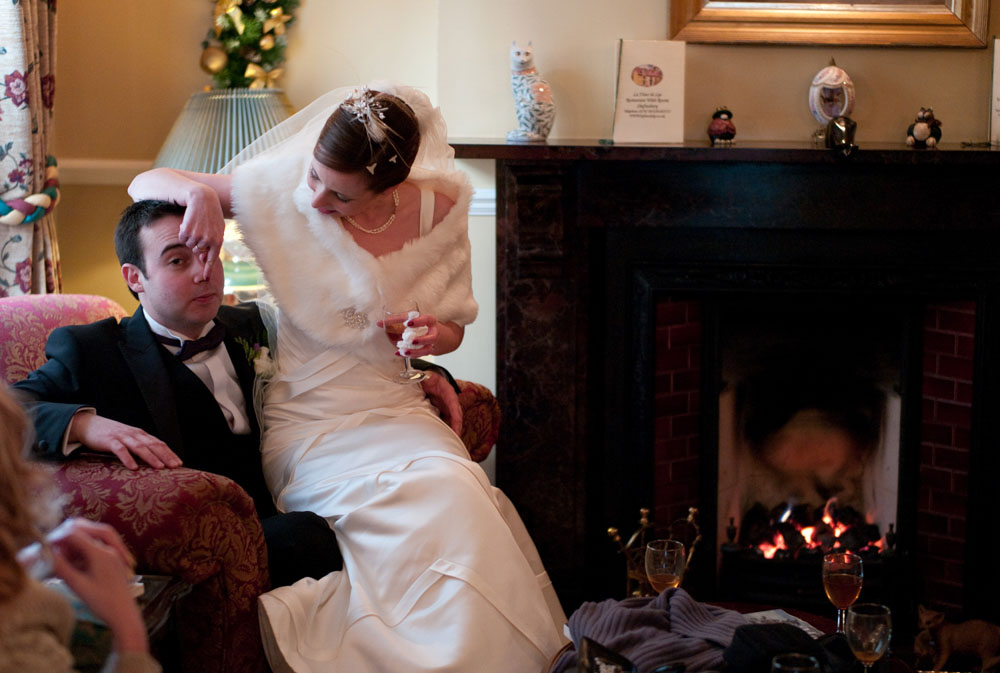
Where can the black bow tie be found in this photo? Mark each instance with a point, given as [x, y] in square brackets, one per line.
[191, 348]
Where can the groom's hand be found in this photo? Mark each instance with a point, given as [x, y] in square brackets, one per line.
[124, 441]
[443, 396]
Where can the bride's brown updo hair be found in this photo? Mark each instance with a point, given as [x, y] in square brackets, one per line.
[372, 133]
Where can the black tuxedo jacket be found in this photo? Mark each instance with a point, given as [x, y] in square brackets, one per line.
[123, 372]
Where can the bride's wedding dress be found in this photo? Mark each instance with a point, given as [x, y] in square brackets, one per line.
[439, 571]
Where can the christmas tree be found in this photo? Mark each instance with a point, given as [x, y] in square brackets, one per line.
[246, 45]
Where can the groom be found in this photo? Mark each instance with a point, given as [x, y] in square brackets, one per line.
[172, 385]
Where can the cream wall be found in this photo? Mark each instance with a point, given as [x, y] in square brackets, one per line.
[124, 73]
[341, 43]
[765, 86]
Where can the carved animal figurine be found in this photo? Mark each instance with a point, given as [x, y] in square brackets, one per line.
[533, 103]
[925, 131]
[721, 129]
[974, 637]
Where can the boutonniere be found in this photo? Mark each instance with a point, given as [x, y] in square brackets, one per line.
[258, 355]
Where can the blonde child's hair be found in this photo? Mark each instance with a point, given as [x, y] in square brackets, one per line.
[20, 485]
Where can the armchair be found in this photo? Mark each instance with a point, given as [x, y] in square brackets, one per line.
[197, 526]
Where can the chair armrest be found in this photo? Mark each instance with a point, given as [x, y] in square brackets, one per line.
[480, 419]
[171, 519]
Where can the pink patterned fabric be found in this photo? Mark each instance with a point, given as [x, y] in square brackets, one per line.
[26, 321]
[480, 419]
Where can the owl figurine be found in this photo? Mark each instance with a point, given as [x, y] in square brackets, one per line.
[721, 129]
[925, 131]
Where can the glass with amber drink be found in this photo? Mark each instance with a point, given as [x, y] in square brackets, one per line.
[869, 628]
[842, 575]
[665, 561]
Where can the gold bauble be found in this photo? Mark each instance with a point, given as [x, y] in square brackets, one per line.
[267, 42]
[213, 60]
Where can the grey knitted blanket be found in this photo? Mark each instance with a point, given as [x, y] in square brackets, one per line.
[650, 632]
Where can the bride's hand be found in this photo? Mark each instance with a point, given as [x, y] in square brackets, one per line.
[441, 337]
[206, 197]
[203, 225]
[424, 344]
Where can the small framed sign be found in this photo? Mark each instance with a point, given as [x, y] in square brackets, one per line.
[649, 96]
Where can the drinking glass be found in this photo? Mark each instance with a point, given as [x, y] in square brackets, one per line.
[665, 562]
[793, 662]
[869, 627]
[842, 575]
[394, 322]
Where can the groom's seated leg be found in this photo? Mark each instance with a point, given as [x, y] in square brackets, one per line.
[300, 544]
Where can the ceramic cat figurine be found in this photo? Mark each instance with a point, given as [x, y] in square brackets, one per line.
[533, 103]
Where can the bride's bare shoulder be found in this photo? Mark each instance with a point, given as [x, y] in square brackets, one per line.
[442, 206]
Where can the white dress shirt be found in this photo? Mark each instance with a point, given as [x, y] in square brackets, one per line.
[216, 371]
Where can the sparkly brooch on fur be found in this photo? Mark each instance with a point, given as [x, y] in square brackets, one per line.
[354, 319]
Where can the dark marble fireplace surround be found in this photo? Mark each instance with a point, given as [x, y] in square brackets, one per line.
[591, 237]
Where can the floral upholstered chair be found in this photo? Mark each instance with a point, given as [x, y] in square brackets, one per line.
[196, 526]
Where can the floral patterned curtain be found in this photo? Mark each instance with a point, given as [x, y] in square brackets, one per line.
[29, 256]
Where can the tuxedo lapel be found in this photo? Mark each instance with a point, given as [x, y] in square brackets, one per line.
[241, 361]
[143, 357]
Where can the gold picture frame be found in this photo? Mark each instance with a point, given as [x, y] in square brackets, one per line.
[944, 23]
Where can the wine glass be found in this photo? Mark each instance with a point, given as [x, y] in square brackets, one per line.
[665, 562]
[842, 574]
[793, 662]
[869, 627]
[394, 322]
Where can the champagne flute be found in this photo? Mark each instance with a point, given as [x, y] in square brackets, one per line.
[394, 322]
[869, 627]
[665, 562]
[842, 575]
[793, 662]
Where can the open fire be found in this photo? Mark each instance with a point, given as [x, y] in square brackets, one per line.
[793, 531]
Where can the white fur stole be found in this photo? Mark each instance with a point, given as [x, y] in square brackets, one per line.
[328, 285]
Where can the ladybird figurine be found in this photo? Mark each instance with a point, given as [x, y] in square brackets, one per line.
[925, 131]
[721, 129]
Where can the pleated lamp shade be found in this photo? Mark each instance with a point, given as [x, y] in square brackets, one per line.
[215, 125]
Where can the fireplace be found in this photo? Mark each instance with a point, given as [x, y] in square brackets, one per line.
[639, 288]
[809, 421]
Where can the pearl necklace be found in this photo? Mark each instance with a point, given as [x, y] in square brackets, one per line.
[388, 223]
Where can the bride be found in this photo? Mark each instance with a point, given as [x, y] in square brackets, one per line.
[351, 205]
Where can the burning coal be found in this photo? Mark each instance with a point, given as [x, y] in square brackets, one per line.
[790, 531]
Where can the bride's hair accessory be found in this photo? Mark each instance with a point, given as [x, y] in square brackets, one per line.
[371, 167]
[368, 110]
[388, 223]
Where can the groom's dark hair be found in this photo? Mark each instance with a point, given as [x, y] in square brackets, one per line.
[140, 214]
